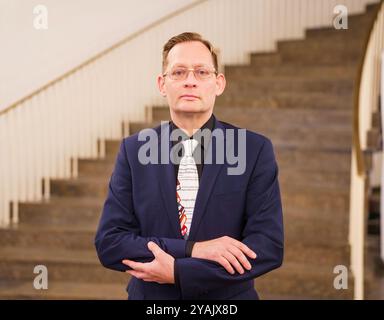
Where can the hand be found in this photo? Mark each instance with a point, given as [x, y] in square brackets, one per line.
[160, 270]
[227, 251]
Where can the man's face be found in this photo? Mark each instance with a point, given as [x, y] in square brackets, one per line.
[191, 95]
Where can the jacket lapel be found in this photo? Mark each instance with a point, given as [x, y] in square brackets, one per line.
[210, 173]
[167, 180]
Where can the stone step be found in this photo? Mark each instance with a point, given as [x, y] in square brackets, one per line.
[344, 46]
[265, 59]
[335, 137]
[285, 118]
[86, 186]
[358, 26]
[270, 85]
[376, 120]
[342, 52]
[17, 264]
[287, 158]
[62, 211]
[70, 209]
[63, 291]
[304, 253]
[316, 231]
[374, 139]
[102, 167]
[96, 186]
[326, 55]
[111, 148]
[281, 117]
[374, 202]
[306, 199]
[301, 223]
[282, 100]
[305, 159]
[238, 72]
[25, 236]
[331, 179]
[312, 159]
[81, 267]
[304, 280]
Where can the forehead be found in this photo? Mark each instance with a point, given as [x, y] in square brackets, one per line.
[190, 53]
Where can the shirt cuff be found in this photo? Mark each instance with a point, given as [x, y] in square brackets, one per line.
[189, 248]
[176, 275]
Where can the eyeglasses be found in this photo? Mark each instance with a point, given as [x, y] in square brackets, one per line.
[181, 73]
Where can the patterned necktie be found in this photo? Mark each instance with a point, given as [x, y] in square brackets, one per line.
[187, 186]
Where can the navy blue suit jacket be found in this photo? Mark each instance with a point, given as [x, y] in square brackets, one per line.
[141, 207]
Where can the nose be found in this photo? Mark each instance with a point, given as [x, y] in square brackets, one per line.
[191, 80]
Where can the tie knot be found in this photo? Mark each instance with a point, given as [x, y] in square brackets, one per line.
[189, 146]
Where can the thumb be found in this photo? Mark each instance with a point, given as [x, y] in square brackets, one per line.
[156, 250]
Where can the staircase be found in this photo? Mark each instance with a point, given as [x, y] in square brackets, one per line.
[301, 97]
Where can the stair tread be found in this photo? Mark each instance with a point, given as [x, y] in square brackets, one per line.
[48, 255]
[63, 290]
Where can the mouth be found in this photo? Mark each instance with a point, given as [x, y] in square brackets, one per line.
[189, 97]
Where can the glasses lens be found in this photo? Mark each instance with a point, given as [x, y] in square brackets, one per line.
[178, 73]
[202, 73]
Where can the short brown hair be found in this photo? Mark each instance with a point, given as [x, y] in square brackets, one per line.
[186, 37]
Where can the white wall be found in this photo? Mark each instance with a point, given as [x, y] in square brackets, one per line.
[77, 29]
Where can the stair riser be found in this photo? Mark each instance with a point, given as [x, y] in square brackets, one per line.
[79, 240]
[251, 100]
[287, 176]
[83, 272]
[268, 59]
[320, 180]
[281, 118]
[307, 232]
[59, 215]
[75, 189]
[318, 138]
[95, 167]
[112, 148]
[259, 87]
[313, 160]
[300, 285]
[318, 202]
[287, 158]
[40, 216]
[323, 255]
[240, 72]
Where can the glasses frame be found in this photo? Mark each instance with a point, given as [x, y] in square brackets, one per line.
[214, 71]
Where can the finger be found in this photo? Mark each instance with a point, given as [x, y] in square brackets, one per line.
[156, 250]
[225, 263]
[134, 265]
[240, 257]
[233, 261]
[137, 274]
[244, 248]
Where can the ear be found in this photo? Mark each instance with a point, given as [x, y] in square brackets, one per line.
[220, 84]
[161, 85]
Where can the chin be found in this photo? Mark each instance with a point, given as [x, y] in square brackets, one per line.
[189, 108]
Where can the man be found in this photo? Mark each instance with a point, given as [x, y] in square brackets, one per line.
[190, 229]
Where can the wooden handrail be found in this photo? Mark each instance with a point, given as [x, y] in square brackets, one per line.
[356, 107]
[100, 55]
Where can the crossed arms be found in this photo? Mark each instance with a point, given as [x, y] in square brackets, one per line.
[120, 247]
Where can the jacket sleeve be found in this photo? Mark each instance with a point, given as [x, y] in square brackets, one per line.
[263, 233]
[117, 237]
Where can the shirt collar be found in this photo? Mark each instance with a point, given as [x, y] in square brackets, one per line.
[207, 125]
